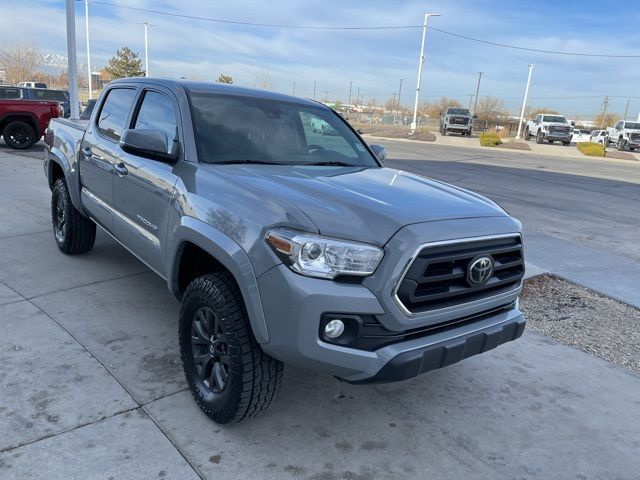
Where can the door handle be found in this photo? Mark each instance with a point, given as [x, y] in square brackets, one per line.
[87, 152]
[121, 169]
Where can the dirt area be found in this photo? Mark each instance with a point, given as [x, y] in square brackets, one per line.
[620, 155]
[515, 146]
[584, 319]
[386, 131]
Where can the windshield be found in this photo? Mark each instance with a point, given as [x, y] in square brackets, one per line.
[458, 111]
[554, 119]
[236, 129]
[632, 125]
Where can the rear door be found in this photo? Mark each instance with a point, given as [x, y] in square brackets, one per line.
[99, 153]
[143, 188]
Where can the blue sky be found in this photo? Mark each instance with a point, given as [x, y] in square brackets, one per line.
[372, 60]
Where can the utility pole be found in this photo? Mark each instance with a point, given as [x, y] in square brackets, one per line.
[393, 108]
[399, 95]
[315, 84]
[626, 110]
[72, 63]
[293, 89]
[86, 29]
[605, 104]
[470, 100]
[420, 63]
[524, 102]
[475, 105]
[350, 85]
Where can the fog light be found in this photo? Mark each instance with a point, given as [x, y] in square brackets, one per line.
[334, 328]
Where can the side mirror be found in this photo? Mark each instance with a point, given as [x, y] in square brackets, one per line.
[573, 124]
[379, 151]
[475, 115]
[147, 143]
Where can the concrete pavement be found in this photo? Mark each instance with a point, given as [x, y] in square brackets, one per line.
[91, 387]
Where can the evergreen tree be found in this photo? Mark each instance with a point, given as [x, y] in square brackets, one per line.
[125, 63]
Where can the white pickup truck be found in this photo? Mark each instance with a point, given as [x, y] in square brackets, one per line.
[624, 135]
[549, 127]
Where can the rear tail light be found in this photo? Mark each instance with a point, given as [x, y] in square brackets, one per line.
[56, 111]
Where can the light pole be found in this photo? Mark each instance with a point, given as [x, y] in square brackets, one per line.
[475, 105]
[350, 86]
[293, 89]
[72, 63]
[420, 63]
[146, 47]
[524, 103]
[86, 29]
[626, 110]
[315, 84]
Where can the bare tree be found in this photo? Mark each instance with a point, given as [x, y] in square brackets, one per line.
[537, 111]
[434, 109]
[263, 80]
[610, 119]
[20, 61]
[490, 108]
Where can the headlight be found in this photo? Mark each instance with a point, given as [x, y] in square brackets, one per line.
[316, 256]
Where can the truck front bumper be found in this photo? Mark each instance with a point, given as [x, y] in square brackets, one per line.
[294, 306]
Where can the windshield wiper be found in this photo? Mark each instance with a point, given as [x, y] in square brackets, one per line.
[246, 161]
[332, 164]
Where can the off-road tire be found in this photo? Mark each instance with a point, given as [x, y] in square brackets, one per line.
[539, 138]
[253, 376]
[19, 135]
[620, 145]
[527, 134]
[77, 233]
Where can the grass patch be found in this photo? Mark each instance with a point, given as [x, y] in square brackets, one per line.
[591, 149]
[490, 139]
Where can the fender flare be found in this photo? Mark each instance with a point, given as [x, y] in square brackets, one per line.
[231, 255]
[55, 156]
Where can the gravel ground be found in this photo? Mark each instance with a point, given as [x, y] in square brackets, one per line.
[583, 319]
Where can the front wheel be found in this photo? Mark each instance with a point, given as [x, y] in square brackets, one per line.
[230, 377]
[566, 143]
[539, 138]
[606, 143]
[444, 131]
[73, 232]
[527, 135]
[19, 135]
[620, 145]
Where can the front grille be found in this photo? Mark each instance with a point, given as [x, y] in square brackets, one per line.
[634, 136]
[460, 120]
[559, 129]
[437, 277]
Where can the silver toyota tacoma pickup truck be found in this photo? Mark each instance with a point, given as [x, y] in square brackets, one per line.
[284, 246]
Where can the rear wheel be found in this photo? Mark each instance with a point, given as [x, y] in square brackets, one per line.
[566, 143]
[19, 135]
[73, 232]
[230, 377]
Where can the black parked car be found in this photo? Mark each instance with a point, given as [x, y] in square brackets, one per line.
[16, 93]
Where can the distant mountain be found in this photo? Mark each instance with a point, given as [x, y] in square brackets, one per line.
[55, 64]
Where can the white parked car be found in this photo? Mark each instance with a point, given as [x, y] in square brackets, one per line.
[598, 136]
[32, 85]
[580, 135]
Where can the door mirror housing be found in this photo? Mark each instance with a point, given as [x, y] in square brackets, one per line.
[379, 151]
[149, 143]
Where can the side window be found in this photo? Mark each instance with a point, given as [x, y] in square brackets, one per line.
[619, 126]
[115, 111]
[320, 133]
[10, 93]
[156, 112]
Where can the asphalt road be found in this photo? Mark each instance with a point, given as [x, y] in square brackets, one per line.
[91, 384]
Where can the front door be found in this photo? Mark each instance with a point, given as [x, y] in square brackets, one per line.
[98, 155]
[143, 188]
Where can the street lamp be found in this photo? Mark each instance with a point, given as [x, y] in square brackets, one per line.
[86, 29]
[524, 103]
[146, 47]
[420, 63]
[71, 60]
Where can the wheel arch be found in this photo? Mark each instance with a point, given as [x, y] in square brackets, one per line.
[197, 241]
[27, 117]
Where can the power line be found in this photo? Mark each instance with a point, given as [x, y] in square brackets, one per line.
[355, 28]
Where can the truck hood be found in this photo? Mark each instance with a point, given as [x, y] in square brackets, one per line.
[364, 204]
[555, 124]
